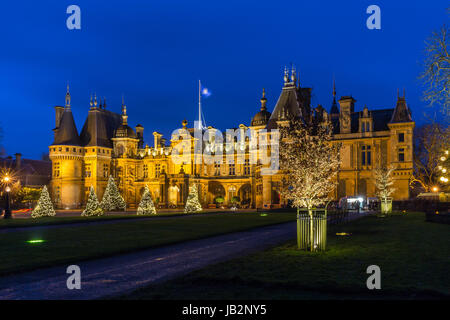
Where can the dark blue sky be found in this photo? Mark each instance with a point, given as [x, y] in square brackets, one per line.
[154, 52]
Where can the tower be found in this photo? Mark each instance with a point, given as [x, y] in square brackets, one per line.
[66, 155]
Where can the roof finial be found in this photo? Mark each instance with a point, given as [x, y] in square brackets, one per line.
[90, 103]
[334, 88]
[124, 112]
[95, 100]
[263, 100]
[68, 97]
[104, 103]
[286, 75]
[293, 75]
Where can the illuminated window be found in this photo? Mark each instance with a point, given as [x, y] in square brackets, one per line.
[87, 171]
[157, 170]
[247, 167]
[105, 170]
[366, 156]
[217, 168]
[231, 169]
[145, 171]
[401, 154]
[56, 169]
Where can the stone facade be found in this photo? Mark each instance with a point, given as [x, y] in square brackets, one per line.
[107, 145]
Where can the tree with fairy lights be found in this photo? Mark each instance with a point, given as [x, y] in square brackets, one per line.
[193, 204]
[112, 199]
[384, 182]
[309, 162]
[146, 205]
[93, 207]
[44, 207]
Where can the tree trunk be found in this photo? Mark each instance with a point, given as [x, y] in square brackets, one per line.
[298, 229]
[311, 229]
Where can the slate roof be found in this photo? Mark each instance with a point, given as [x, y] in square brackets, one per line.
[401, 112]
[287, 107]
[380, 118]
[99, 128]
[66, 133]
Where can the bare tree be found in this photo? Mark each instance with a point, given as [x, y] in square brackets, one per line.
[429, 142]
[436, 74]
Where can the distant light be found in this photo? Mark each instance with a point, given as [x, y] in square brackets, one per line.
[36, 241]
[7, 189]
[263, 214]
[343, 234]
[435, 189]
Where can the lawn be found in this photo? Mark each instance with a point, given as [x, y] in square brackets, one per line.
[61, 218]
[413, 255]
[66, 244]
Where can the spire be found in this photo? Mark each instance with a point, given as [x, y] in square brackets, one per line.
[68, 97]
[91, 103]
[67, 133]
[334, 107]
[263, 100]
[95, 100]
[334, 88]
[104, 103]
[124, 113]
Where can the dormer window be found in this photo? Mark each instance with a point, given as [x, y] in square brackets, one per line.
[365, 126]
[401, 137]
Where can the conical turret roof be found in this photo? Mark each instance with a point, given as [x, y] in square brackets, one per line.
[67, 133]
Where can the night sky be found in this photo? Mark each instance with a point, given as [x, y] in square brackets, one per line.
[154, 52]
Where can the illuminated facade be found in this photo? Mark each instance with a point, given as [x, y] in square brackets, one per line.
[108, 145]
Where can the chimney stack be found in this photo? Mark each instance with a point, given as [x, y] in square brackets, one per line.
[18, 160]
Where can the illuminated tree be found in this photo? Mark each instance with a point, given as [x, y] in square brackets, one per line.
[192, 203]
[146, 205]
[44, 207]
[93, 207]
[309, 162]
[384, 186]
[112, 199]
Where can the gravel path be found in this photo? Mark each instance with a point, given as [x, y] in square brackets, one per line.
[107, 277]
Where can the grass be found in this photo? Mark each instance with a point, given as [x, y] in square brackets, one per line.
[68, 244]
[45, 221]
[414, 257]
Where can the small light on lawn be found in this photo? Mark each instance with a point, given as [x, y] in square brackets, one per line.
[263, 214]
[36, 241]
[342, 234]
[437, 212]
